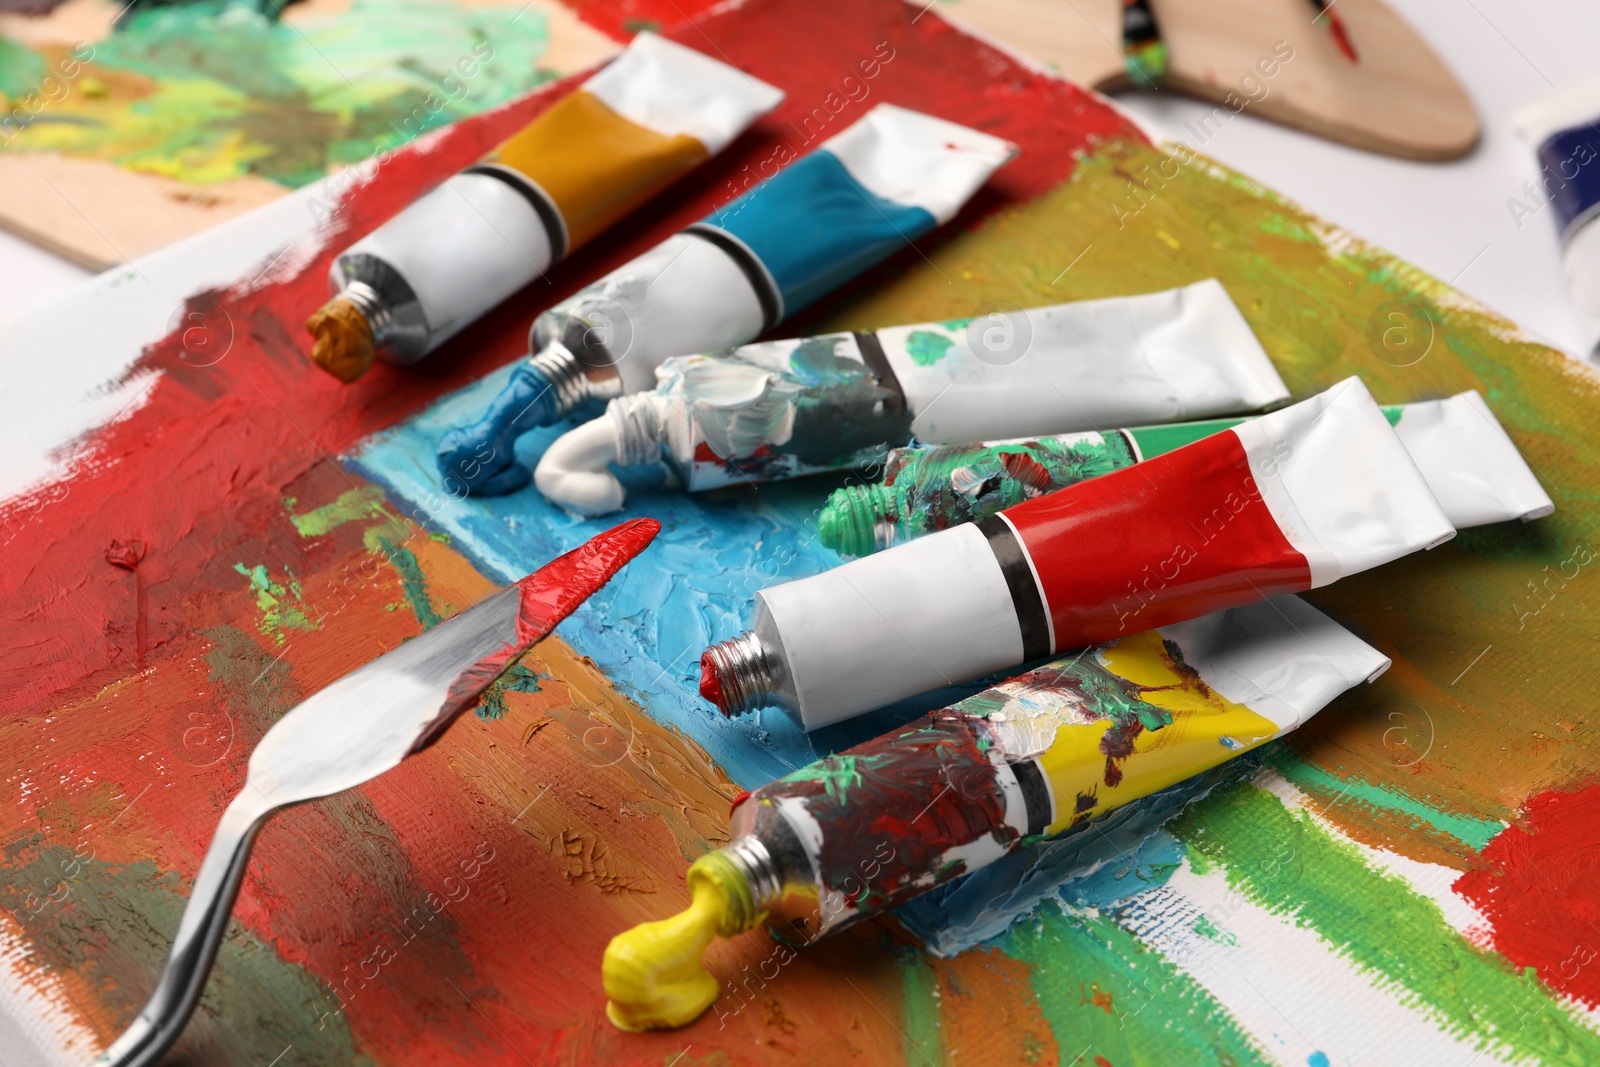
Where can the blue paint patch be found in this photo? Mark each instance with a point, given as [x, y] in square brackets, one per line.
[693, 586]
[647, 628]
[1317, 1059]
[815, 227]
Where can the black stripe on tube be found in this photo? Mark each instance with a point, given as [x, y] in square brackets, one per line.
[1035, 795]
[877, 362]
[1025, 597]
[537, 198]
[760, 278]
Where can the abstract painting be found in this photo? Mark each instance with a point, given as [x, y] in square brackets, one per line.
[1408, 879]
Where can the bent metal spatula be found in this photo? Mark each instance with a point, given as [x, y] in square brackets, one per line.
[353, 731]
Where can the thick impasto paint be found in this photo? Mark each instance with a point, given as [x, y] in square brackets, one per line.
[212, 90]
[1368, 892]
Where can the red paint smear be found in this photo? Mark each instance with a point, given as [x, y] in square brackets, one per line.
[918, 792]
[547, 596]
[624, 18]
[1027, 470]
[198, 470]
[1173, 538]
[1540, 890]
[1341, 36]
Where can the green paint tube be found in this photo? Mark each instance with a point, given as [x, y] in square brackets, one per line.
[1469, 462]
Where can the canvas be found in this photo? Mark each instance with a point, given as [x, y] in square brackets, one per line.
[1408, 879]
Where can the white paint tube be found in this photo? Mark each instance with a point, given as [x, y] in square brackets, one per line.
[781, 409]
[636, 126]
[1281, 504]
[1471, 465]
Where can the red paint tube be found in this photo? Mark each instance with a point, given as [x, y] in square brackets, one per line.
[1285, 503]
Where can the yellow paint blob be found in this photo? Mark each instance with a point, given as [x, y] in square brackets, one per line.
[596, 165]
[653, 974]
[1206, 729]
[343, 345]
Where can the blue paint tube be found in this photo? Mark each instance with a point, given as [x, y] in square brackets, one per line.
[1565, 131]
[890, 179]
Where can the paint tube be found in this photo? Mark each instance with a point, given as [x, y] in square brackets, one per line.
[780, 409]
[892, 177]
[1280, 504]
[1470, 464]
[1564, 130]
[651, 115]
[857, 833]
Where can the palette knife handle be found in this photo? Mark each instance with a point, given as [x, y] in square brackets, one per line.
[205, 919]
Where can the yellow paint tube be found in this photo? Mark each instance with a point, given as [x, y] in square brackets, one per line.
[860, 832]
[651, 115]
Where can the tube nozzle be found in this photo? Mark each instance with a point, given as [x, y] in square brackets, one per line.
[738, 675]
[854, 520]
[653, 973]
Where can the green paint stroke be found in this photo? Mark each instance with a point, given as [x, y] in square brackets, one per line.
[926, 348]
[1384, 800]
[1099, 986]
[21, 69]
[216, 90]
[920, 1032]
[516, 679]
[837, 773]
[112, 929]
[353, 505]
[412, 581]
[282, 605]
[1377, 922]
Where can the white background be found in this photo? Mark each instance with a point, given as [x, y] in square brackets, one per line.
[1450, 219]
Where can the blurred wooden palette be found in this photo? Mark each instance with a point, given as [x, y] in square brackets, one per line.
[1397, 97]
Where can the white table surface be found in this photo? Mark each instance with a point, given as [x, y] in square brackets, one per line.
[1450, 219]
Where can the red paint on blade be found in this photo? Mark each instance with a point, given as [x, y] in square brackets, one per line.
[548, 595]
[1173, 538]
[1540, 890]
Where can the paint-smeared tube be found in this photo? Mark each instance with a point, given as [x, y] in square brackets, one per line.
[780, 409]
[1281, 504]
[863, 195]
[1470, 464]
[652, 114]
[1564, 130]
[857, 833]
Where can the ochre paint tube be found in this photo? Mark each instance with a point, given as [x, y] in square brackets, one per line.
[1564, 130]
[648, 117]
[779, 409]
[891, 178]
[1470, 464]
[1280, 504]
[860, 832]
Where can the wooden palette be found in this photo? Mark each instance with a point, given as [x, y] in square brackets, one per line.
[1398, 98]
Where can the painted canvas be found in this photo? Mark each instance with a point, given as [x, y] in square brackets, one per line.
[124, 127]
[1409, 879]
